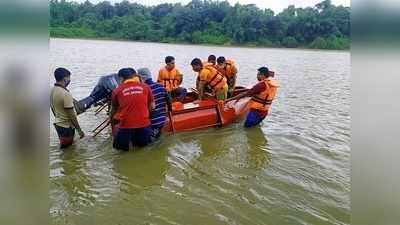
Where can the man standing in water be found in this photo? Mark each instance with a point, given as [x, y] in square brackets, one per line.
[171, 78]
[62, 106]
[262, 95]
[209, 76]
[161, 100]
[131, 101]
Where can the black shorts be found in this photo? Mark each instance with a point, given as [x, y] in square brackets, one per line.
[65, 135]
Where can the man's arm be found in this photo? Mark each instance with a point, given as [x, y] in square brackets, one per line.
[234, 70]
[202, 84]
[234, 73]
[168, 101]
[69, 109]
[256, 89]
[114, 107]
[159, 80]
[150, 100]
[112, 112]
[239, 96]
[197, 83]
[180, 77]
[151, 106]
[74, 120]
[203, 75]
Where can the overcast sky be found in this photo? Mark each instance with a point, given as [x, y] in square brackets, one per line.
[276, 5]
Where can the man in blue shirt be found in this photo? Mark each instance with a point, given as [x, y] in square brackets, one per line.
[161, 100]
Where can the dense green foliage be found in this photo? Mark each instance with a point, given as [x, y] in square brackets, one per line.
[324, 26]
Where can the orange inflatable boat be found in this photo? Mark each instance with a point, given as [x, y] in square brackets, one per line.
[195, 114]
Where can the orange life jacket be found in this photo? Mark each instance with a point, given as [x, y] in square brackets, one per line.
[206, 63]
[215, 80]
[229, 69]
[169, 79]
[263, 100]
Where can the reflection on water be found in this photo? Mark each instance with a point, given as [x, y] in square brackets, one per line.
[258, 148]
[77, 183]
[140, 169]
[293, 169]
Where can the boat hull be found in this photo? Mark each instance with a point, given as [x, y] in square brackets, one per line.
[195, 114]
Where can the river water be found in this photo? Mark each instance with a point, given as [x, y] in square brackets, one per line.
[293, 169]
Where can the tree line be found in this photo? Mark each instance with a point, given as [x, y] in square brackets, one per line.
[324, 26]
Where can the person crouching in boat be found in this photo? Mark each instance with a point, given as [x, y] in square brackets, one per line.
[229, 70]
[262, 95]
[171, 78]
[210, 77]
[131, 103]
[161, 100]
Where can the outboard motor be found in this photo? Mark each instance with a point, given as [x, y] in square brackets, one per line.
[100, 93]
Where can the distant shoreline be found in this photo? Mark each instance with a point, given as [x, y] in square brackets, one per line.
[209, 45]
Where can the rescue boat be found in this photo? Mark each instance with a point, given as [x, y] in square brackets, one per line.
[195, 114]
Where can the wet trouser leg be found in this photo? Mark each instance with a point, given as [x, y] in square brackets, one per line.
[253, 118]
[221, 94]
[65, 135]
[142, 136]
[122, 139]
[231, 88]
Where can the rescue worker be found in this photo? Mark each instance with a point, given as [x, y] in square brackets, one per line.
[131, 103]
[62, 106]
[212, 60]
[262, 95]
[229, 70]
[171, 78]
[161, 100]
[210, 77]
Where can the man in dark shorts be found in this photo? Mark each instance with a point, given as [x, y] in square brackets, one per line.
[62, 106]
[131, 103]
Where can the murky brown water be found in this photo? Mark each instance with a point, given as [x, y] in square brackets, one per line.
[294, 169]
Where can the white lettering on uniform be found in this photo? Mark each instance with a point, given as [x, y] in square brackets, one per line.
[132, 90]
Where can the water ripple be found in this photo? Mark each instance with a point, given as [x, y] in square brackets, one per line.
[293, 169]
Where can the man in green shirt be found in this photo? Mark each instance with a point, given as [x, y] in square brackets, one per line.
[62, 106]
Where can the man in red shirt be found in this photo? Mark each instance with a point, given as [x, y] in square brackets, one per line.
[131, 103]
